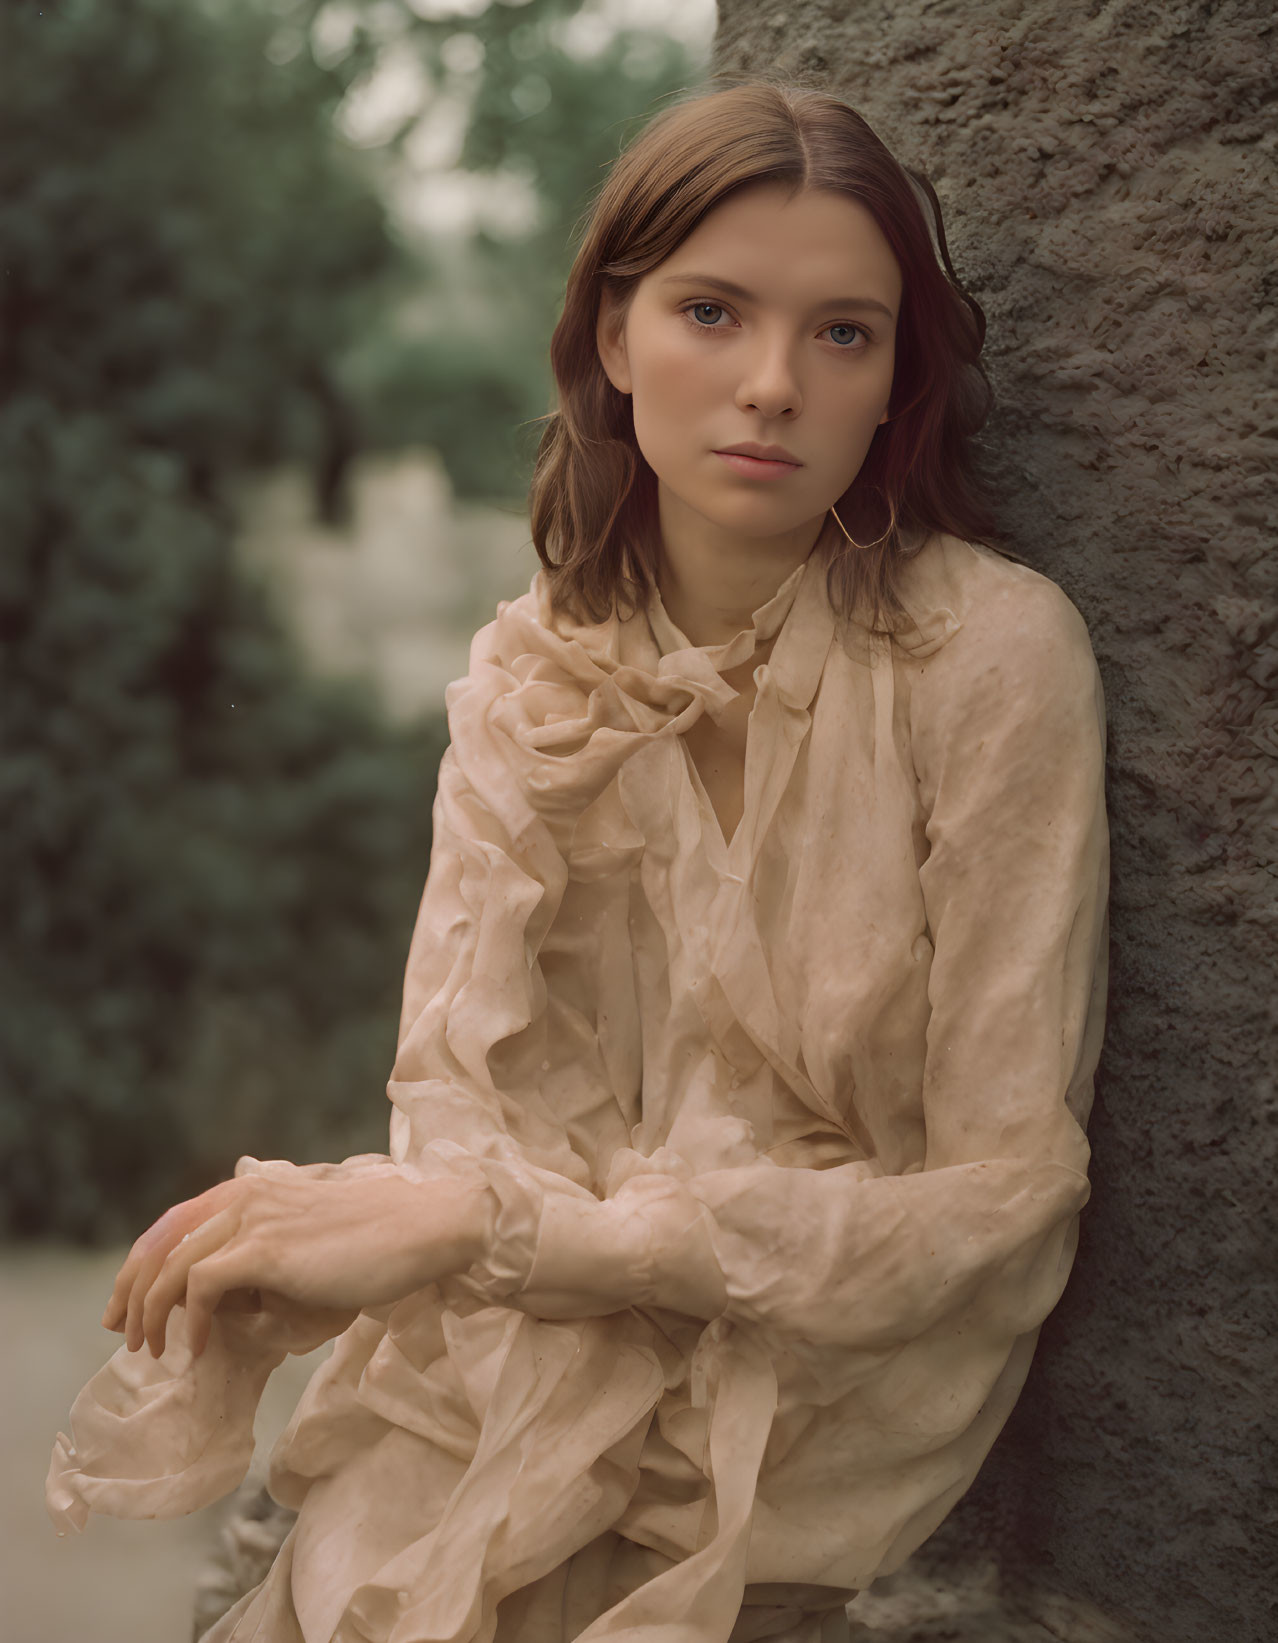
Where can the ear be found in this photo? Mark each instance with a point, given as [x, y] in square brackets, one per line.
[611, 341]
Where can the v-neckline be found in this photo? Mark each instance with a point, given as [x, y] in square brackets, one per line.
[726, 845]
[765, 628]
[788, 681]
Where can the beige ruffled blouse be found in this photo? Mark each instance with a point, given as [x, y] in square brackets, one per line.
[787, 1136]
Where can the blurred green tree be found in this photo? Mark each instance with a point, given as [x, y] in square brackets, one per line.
[472, 379]
[210, 860]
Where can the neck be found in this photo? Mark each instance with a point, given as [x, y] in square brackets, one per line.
[712, 581]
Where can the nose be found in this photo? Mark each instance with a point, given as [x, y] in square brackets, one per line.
[769, 383]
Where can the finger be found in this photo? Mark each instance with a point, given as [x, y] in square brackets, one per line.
[151, 1248]
[143, 1278]
[158, 1232]
[158, 1243]
[145, 1274]
[170, 1282]
[207, 1282]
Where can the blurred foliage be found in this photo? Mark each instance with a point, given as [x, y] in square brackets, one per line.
[472, 380]
[211, 861]
[186, 248]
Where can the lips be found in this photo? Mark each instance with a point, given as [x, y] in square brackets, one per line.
[753, 467]
[763, 453]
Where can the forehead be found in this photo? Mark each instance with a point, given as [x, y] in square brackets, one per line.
[810, 247]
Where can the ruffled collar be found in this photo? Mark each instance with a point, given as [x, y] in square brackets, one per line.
[797, 616]
[929, 623]
[765, 623]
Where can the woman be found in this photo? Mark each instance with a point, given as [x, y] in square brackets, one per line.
[751, 1015]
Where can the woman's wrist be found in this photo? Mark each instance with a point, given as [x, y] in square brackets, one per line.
[447, 1226]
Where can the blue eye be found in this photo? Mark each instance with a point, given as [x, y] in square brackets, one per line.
[690, 309]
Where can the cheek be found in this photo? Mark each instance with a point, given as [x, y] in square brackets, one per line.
[672, 391]
[858, 403]
[870, 374]
[671, 369]
[884, 376]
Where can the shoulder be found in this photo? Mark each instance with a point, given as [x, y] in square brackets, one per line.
[531, 624]
[1016, 674]
[1001, 617]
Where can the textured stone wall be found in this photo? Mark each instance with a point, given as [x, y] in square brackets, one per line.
[1107, 173]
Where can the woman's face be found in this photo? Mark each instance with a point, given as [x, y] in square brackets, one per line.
[773, 322]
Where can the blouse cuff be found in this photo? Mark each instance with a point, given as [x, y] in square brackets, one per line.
[649, 1245]
[557, 1251]
[502, 1270]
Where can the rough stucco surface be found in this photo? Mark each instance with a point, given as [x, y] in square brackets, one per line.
[1108, 179]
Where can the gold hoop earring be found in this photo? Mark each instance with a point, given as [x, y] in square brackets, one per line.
[863, 545]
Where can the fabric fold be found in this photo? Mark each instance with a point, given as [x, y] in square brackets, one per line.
[158, 1438]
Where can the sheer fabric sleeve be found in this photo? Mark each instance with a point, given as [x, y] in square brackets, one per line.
[497, 1049]
[1008, 730]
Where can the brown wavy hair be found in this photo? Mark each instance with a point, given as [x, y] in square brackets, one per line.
[593, 496]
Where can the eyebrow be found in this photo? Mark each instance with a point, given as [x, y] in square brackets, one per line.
[740, 291]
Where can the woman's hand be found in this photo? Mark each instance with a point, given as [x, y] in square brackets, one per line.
[327, 1245]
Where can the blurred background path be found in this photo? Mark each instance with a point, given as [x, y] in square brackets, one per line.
[394, 594]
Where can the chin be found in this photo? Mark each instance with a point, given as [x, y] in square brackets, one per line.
[747, 514]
